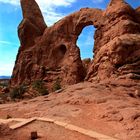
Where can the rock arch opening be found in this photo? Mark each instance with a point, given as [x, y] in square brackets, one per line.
[62, 49]
[85, 42]
[58, 54]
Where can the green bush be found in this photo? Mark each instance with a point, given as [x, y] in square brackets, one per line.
[4, 83]
[39, 86]
[43, 91]
[57, 85]
[17, 92]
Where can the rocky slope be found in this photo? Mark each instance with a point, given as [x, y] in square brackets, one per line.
[110, 109]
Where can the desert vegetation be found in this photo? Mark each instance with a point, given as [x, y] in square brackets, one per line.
[57, 85]
[17, 92]
[39, 86]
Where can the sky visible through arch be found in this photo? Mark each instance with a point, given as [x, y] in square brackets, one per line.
[53, 10]
[86, 42]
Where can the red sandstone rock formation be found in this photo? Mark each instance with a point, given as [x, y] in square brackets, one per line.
[51, 52]
[32, 25]
[117, 43]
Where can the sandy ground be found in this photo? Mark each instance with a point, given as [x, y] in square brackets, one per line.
[109, 109]
[48, 131]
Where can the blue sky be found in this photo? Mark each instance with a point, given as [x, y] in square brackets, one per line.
[53, 10]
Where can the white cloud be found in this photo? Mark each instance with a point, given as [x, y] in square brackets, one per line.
[7, 43]
[97, 1]
[50, 3]
[48, 8]
[13, 2]
[43, 3]
[51, 17]
[6, 69]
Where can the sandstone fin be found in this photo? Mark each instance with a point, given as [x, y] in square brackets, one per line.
[112, 2]
[32, 12]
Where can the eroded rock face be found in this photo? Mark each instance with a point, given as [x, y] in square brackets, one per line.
[50, 53]
[5, 130]
[117, 44]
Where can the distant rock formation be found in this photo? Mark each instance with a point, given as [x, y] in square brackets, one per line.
[50, 53]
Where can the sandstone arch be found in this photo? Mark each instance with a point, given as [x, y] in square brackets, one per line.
[116, 46]
[48, 50]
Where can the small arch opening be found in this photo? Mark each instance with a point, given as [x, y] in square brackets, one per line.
[85, 42]
[58, 54]
[62, 49]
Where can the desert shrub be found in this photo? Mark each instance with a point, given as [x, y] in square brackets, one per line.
[4, 83]
[43, 91]
[39, 86]
[86, 60]
[4, 97]
[57, 85]
[17, 92]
